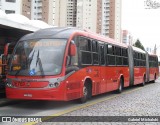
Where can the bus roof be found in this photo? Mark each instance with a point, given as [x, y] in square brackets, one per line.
[138, 49]
[151, 54]
[66, 33]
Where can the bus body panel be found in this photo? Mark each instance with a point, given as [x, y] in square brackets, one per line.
[152, 73]
[71, 87]
[100, 83]
[35, 94]
[139, 75]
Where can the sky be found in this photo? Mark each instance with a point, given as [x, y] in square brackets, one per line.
[141, 22]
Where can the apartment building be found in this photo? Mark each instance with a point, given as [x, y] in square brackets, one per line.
[115, 20]
[127, 37]
[64, 12]
[38, 10]
[11, 6]
[26, 8]
[105, 12]
[99, 16]
[86, 14]
[54, 12]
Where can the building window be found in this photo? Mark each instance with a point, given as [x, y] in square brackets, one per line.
[9, 11]
[13, 1]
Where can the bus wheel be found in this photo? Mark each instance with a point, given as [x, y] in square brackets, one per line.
[120, 88]
[85, 93]
[144, 81]
[154, 79]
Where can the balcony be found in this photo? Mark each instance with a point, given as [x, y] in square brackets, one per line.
[39, 16]
[39, 4]
[39, 7]
[39, 11]
[39, 1]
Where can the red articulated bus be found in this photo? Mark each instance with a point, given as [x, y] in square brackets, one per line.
[68, 63]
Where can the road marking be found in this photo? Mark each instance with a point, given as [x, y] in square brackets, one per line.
[83, 106]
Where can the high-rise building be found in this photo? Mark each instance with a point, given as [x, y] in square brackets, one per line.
[87, 14]
[38, 10]
[26, 8]
[11, 6]
[115, 19]
[127, 37]
[105, 12]
[64, 12]
[100, 16]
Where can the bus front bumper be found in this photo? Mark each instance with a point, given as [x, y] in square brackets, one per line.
[35, 94]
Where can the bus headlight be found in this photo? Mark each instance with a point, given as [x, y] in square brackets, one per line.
[54, 85]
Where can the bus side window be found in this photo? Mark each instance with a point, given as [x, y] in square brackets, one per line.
[106, 52]
[118, 56]
[111, 55]
[102, 54]
[84, 44]
[110, 50]
[85, 51]
[95, 52]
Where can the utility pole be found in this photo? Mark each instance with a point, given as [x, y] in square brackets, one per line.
[155, 49]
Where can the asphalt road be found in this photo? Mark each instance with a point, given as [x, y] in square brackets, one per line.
[134, 101]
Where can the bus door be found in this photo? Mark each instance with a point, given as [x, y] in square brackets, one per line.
[102, 67]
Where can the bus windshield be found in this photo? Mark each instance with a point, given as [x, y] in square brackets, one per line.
[38, 57]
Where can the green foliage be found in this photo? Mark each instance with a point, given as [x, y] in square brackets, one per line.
[138, 44]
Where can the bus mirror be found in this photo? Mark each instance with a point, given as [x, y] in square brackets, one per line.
[72, 51]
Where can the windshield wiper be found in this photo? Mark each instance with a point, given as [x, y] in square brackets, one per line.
[41, 68]
[40, 64]
[30, 59]
[37, 58]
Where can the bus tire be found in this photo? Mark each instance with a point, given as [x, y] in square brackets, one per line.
[144, 81]
[120, 88]
[154, 79]
[86, 91]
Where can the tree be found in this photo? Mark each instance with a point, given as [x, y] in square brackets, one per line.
[138, 44]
